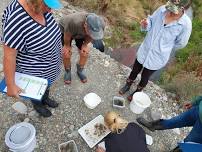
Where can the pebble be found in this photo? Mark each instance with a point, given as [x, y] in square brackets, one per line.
[106, 64]
[174, 104]
[177, 131]
[71, 127]
[75, 134]
[26, 120]
[70, 135]
[33, 114]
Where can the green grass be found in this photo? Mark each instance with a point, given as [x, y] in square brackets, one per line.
[135, 32]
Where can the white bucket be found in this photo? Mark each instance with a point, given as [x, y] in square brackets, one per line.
[91, 100]
[140, 102]
[21, 137]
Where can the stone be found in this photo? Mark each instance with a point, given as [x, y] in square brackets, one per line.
[176, 130]
[70, 135]
[26, 120]
[33, 114]
[156, 115]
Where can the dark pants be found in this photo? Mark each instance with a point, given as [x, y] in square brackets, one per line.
[189, 118]
[146, 73]
[79, 42]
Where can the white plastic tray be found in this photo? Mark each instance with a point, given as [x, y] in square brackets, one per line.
[66, 143]
[90, 126]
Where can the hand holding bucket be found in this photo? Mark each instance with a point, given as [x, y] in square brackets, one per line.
[140, 102]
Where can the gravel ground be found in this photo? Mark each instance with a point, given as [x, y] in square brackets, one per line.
[105, 77]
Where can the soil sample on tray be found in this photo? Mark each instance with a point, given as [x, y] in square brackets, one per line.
[69, 147]
[118, 102]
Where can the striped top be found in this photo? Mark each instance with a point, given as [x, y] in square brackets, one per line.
[38, 46]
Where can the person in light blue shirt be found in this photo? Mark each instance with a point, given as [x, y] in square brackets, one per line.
[168, 28]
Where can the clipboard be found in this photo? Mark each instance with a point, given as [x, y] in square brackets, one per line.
[34, 87]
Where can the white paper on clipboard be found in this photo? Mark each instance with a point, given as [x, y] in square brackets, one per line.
[89, 140]
[33, 87]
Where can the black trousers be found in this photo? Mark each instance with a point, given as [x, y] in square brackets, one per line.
[79, 42]
[146, 73]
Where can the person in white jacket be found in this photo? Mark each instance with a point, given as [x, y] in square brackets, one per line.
[168, 28]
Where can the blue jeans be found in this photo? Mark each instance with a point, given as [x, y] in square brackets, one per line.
[187, 119]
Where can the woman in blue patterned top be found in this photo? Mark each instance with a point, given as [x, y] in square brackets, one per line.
[32, 45]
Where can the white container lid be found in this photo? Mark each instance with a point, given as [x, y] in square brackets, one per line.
[141, 99]
[20, 135]
[92, 100]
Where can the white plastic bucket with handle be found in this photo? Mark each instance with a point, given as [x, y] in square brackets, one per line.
[140, 102]
[21, 137]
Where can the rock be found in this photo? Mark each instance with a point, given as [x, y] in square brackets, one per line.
[75, 134]
[70, 135]
[156, 115]
[176, 130]
[26, 120]
[33, 114]
[71, 127]
[106, 64]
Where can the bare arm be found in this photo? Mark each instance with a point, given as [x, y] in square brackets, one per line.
[9, 63]
[85, 47]
[87, 40]
[67, 44]
[67, 39]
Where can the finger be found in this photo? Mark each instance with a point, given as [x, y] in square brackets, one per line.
[17, 97]
[22, 91]
[19, 91]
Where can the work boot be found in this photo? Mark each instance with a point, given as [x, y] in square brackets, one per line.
[50, 102]
[81, 74]
[152, 126]
[126, 87]
[42, 110]
[67, 76]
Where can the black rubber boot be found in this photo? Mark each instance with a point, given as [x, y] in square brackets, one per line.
[42, 110]
[152, 126]
[126, 87]
[81, 74]
[47, 101]
[67, 76]
[50, 102]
